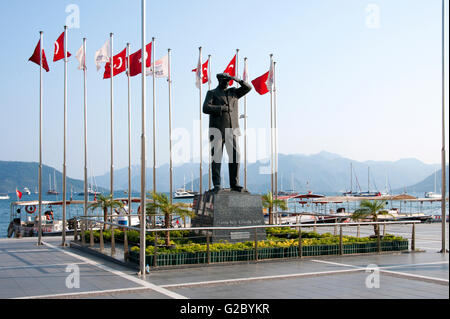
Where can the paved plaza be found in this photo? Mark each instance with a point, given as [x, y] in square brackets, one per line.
[29, 271]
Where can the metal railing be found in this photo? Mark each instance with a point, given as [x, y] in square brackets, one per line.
[88, 224]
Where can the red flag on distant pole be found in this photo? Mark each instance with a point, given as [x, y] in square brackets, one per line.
[19, 194]
[136, 60]
[36, 57]
[231, 69]
[260, 84]
[59, 49]
[120, 64]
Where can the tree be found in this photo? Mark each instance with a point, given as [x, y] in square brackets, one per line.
[270, 203]
[161, 203]
[371, 210]
[105, 202]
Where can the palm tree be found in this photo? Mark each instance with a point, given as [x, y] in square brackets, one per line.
[105, 202]
[372, 210]
[162, 203]
[270, 203]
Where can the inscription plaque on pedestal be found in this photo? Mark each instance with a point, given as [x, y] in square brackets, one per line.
[229, 209]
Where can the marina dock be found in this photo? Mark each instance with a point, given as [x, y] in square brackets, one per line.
[29, 272]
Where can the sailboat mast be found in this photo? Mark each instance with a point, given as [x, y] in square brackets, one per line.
[351, 178]
[435, 181]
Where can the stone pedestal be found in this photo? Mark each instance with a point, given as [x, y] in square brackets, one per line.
[227, 208]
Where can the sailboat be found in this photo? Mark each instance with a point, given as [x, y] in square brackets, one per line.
[433, 194]
[52, 191]
[369, 193]
[92, 188]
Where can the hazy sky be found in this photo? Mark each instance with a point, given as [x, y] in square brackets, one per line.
[358, 78]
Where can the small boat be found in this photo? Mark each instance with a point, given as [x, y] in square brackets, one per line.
[24, 219]
[4, 196]
[90, 192]
[182, 193]
[26, 191]
[432, 195]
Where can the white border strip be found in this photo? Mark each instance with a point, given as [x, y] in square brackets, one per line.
[237, 280]
[141, 282]
[395, 273]
[88, 293]
[39, 266]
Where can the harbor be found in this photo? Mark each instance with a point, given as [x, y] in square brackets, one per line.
[150, 163]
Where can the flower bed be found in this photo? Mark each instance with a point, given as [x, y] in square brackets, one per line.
[190, 248]
[286, 249]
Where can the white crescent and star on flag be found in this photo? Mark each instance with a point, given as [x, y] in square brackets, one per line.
[120, 65]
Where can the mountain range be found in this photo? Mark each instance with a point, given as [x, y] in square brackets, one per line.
[324, 172]
[23, 174]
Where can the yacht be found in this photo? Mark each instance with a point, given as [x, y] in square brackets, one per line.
[26, 191]
[4, 196]
[183, 193]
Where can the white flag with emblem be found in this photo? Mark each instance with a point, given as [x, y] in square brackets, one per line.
[103, 55]
[245, 74]
[270, 79]
[161, 68]
[198, 73]
[81, 58]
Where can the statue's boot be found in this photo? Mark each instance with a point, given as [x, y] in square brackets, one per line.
[234, 177]
[215, 170]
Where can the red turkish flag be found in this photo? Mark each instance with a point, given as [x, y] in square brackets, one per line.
[260, 84]
[231, 69]
[205, 77]
[136, 60]
[19, 194]
[36, 59]
[120, 64]
[59, 49]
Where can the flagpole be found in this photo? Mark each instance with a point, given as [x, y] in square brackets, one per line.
[275, 132]
[237, 68]
[154, 116]
[169, 80]
[129, 132]
[112, 119]
[444, 180]
[271, 143]
[41, 41]
[245, 132]
[143, 156]
[86, 194]
[200, 103]
[209, 151]
[65, 142]
[271, 133]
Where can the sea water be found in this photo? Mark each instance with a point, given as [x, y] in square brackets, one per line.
[71, 210]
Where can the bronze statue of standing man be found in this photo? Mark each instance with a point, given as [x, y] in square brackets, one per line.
[222, 106]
